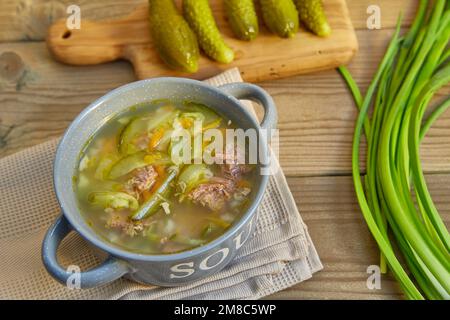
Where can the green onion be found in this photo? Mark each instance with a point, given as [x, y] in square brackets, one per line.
[152, 204]
[394, 197]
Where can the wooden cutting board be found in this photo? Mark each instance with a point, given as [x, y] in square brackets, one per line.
[267, 57]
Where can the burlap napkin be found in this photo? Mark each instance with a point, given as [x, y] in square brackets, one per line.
[279, 254]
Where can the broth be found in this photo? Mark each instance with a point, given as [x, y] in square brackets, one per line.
[133, 194]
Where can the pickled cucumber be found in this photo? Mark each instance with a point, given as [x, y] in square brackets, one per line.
[175, 42]
[199, 16]
[313, 16]
[242, 18]
[280, 16]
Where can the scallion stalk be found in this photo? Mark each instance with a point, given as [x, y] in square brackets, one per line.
[413, 69]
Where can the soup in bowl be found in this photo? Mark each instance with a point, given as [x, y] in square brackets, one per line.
[157, 175]
[135, 192]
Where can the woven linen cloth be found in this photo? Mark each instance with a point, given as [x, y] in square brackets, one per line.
[278, 255]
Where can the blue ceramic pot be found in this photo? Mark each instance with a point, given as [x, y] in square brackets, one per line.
[163, 270]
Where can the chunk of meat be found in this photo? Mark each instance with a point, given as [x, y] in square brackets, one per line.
[235, 171]
[232, 163]
[142, 179]
[213, 194]
[118, 220]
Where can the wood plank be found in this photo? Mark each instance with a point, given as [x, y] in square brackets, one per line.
[329, 208]
[29, 20]
[39, 97]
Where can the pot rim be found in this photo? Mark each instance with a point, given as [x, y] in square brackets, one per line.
[129, 255]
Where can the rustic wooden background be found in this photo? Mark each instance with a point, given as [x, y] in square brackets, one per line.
[39, 97]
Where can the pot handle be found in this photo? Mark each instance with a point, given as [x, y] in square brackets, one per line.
[241, 90]
[110, 270]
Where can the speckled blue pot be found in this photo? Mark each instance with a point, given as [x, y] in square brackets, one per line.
[164, 270]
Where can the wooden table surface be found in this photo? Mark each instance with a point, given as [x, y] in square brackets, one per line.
[39, 97]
